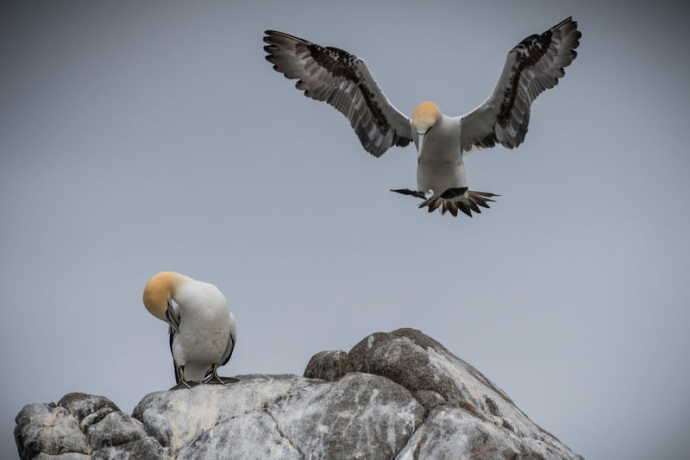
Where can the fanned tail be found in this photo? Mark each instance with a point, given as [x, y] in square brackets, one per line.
[453, 200]
[466, 203]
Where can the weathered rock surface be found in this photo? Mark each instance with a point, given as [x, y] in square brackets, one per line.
[394, 395]
[329, 365]
[476, 420]
[82, 426]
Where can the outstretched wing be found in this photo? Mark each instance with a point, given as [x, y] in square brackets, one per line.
[343, 81]
[533, 66]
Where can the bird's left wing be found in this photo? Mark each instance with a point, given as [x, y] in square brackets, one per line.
[232, 337]
[172, 334]
[344, 82]
[173, 319]
[532, 67]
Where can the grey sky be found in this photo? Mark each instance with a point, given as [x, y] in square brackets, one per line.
[150, 136]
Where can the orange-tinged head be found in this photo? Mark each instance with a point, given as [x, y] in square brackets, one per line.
[425, 116]
[158, 291]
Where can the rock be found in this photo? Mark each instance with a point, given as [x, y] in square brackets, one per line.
[394, 395]
[175, 418]
[115, 429]
[252, 435]
[429, 399]
[329, 365]
[455, 433]
[145, 448]
[67, 456]
[48, 429]
[359, 416]
[82, 405]
[420, 364]
[82, 426]
[358, 413]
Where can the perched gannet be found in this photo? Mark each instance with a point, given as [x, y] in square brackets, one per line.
[202, 329]
[343, 81]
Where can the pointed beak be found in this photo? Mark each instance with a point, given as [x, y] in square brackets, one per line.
[420, 142]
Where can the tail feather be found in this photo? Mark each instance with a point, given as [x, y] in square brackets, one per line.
[450, 207]
[473, 206]
[466, 203]
[481, 202]
[464, 208]
[435, 203]
[454, 200]
[483, 194]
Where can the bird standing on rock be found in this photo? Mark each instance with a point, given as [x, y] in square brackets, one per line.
[343, 81]
[202, 329]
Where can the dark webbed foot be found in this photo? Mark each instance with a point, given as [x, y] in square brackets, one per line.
[182, 383]
[214, 378]
[184, 386]
[453, 192]
[407, 191]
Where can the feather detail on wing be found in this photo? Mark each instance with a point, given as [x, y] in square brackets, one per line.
[532, 67]
[344, 82]
[173, 319]
[172, 334]
[231, 343]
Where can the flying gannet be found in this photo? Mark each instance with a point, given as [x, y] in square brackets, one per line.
[202, 329]
[344, 82]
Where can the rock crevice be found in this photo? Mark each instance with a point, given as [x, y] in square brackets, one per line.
[282, 435]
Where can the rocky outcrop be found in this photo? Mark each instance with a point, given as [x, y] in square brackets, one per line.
[394, 395]
[82, 426]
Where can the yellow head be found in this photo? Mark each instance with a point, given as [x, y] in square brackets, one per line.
[158, 291]
[425, 116]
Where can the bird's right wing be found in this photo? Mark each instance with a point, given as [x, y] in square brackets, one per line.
[533, 66]
[344, 82]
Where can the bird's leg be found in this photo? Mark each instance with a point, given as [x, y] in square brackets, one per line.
[180, 376]
[214, 375]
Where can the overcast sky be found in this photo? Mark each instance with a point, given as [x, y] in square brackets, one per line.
[137, 137]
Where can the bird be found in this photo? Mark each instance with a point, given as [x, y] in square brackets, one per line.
[343, 81]
[201, 327]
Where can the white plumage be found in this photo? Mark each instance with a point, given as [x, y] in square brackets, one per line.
[343, 80]
[202, 329]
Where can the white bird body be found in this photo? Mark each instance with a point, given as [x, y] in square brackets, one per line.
[202, 328]
[441, 178]
[343, 80]
[440, 165]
